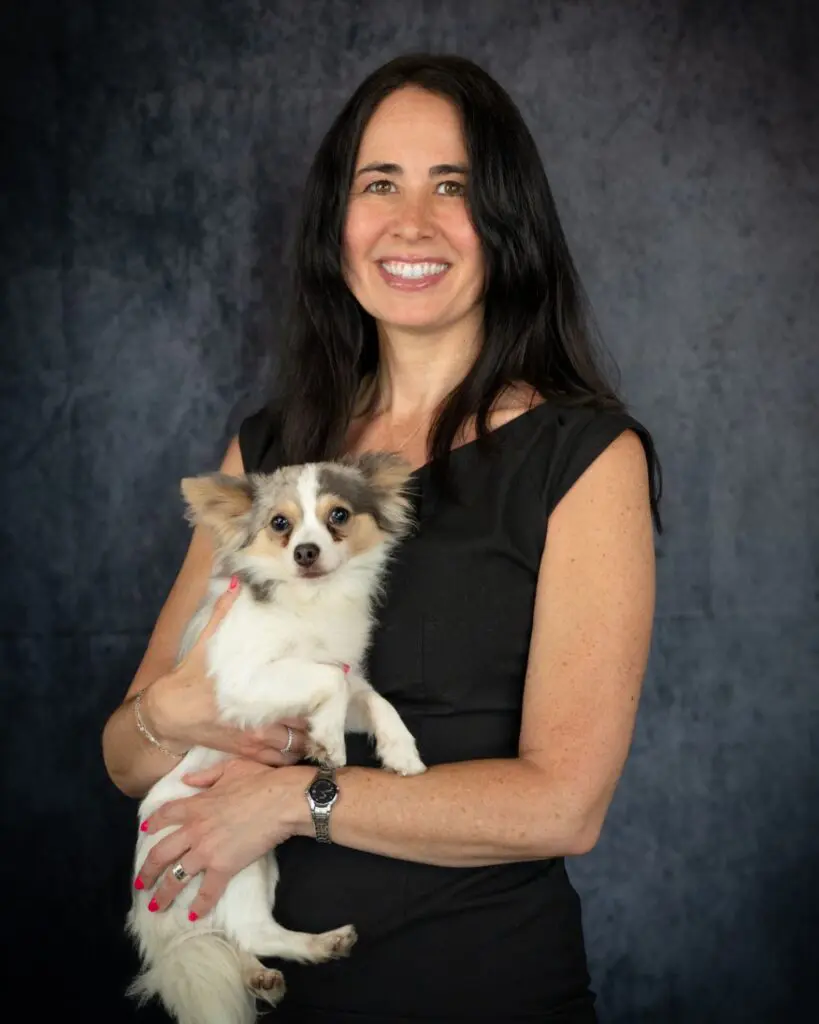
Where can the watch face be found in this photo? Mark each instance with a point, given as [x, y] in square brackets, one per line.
[323, 791]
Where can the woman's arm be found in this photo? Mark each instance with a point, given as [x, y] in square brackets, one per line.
[589, 649]
[176, 702]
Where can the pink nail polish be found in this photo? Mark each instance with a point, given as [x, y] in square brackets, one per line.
[234, 582]
[138, 883]
[143, 827]
[193, 916]
[153, 906]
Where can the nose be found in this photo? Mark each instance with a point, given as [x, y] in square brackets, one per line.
[412, 221]
[305, 554]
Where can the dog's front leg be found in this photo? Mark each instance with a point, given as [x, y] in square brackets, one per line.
[288, 688]
[372, 713]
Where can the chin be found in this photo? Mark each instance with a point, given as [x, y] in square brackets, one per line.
[311, 545]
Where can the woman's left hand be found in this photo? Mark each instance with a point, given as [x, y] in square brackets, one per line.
[244, 810]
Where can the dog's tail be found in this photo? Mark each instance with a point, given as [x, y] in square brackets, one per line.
[199, 980]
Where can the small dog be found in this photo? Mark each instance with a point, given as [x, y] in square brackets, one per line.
[311, 544]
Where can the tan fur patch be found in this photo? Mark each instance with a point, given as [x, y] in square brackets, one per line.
[363, 534]
[360, 531]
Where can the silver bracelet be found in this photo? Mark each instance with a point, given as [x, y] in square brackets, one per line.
[146, 732]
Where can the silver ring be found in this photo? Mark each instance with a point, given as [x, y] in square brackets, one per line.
[179, 873]
[289, 746]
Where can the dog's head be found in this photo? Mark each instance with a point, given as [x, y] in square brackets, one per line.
[304, 522]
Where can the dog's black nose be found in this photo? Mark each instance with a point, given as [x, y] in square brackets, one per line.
[306, 554]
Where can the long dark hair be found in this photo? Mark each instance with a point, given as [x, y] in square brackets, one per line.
[537, 328]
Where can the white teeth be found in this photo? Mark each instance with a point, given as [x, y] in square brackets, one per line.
[413, 271]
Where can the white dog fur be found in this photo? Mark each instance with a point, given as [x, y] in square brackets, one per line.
[282, 650]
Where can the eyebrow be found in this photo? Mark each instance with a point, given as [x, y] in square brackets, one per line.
[434, 172]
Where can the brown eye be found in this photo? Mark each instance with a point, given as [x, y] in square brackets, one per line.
[280, 524]
[375, 189]
[453, 188]
[339, 516]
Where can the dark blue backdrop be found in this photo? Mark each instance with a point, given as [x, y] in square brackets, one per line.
[154, 154]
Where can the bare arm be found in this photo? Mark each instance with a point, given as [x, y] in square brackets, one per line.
[174, 700]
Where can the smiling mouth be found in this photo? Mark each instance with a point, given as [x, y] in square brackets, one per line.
[413, 275]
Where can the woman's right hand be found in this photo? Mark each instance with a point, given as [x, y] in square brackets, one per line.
[180, 709]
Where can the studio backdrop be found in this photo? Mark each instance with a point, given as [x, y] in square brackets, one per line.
[152, 163]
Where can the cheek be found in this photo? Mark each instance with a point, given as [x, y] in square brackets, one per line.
[361, 232]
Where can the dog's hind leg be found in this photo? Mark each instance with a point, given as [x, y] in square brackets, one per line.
[264, 982]
[267, 938]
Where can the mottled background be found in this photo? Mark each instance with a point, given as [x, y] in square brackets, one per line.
[152, 157]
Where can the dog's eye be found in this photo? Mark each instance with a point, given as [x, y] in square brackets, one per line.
[339, 516]
[280, 524]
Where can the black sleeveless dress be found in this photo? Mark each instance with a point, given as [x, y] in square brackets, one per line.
[436, 944]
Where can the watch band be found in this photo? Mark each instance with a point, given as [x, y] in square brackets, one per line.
[321, 823]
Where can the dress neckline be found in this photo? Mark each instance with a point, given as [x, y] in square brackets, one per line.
[502, 429]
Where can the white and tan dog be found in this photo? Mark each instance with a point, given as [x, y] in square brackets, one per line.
[311, 545]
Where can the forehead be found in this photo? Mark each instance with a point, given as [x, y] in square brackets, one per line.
[294, 486]
[413, 125]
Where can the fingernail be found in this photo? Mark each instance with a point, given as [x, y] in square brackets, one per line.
[138, 883]
[193, 916]
[234, 582]
[153, 906]
[143, 827]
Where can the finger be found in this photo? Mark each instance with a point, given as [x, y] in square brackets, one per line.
[220, 609]
[205, 776]
[170, 886]
[167, 851]
[275, 758]
[285, 738]
[175, 812]
[213, 886]
[296, 723]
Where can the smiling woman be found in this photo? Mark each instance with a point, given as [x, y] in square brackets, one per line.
[437, 312]
[412, 255]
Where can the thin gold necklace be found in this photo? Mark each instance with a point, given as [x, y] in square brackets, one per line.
[408, 438]
[367, 395]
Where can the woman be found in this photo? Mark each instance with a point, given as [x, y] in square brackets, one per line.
[437, 313]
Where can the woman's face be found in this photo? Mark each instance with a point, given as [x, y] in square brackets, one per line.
[411, 255]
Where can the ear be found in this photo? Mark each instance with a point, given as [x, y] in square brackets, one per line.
[221, 503]
[383, 470]
[389, 477]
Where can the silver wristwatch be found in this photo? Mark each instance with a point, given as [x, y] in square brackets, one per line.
[322, 793]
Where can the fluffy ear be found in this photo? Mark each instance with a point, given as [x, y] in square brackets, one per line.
[389, 477]
[383, 470]
[223, 504]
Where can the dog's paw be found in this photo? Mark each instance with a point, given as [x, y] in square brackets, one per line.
[401, 759]
[333, 755]
[266, 984]
[334, 944]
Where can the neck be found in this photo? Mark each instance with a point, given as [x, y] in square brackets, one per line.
[417, 371]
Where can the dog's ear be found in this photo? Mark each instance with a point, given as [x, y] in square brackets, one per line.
[221, 503]
[383, 470]
[389, 477]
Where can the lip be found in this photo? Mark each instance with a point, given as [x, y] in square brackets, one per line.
[309, 574]
[409, 284]
[412, 259]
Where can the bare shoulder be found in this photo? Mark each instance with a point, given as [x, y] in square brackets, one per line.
[232, 463]
[614, 484]
[513, 401]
